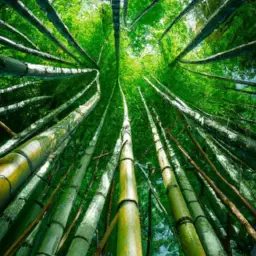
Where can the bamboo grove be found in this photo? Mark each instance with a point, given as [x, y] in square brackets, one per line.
[127, 127]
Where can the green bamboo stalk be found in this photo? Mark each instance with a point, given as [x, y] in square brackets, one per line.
[19, 47]
[240, 50]
[217, 18]
[16, 166]
[179, 16]
[208, 123]
[42, 122]
[237, 81]
[23, 11]
[232, 171]
[126, 4]
[144, 12]
[15, 31]
[17, 106]
[14, 67]
[116, 23]
[16, 87]
[58, 222]
[190, 241]
[209, 239]
[56, 20]
[12, 212]
[84, 234]
[129, 232]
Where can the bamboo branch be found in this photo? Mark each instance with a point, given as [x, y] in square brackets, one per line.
[7, 129]
[106, 235]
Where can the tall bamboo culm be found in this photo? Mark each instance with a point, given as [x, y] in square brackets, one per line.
[129, 231]
[184, 223]
[209, 239]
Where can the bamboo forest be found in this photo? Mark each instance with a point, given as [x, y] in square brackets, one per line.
[128, 127]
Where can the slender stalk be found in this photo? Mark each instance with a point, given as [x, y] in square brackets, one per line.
[144, 12]
[229, 54]
[148, 253]
[155, 195]
[14, 67]
[116, 22]
[19, 47]
[207, 235]
[106, 235]
[217, 18]
[17, 106]
[237, 81]
[16, 87]
[129, 231]
[126, 4]
[84, 234]
[17, 32]
[61, 213]
[232, 207]
[56, 20]
[7, 129]
[179, 16]
[190, 241]
[17, 243]
[21, 9]
[208, 123]
[39, 124]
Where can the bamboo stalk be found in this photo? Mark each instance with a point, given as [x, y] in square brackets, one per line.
[232, 207]
[216, 19]
[17, 243]
[15, 31]
[116, 22]
[15, 87]
[148, 252]
[61, 213]
[208, 123]
[19, 47]
[56, 20]
[144, 12]
[232, 53]
[15, 107]
[129, 231]
[237, 81]
[206, 234]
[14, 209]
[84, 234]
[179, 16]
[14, 67]
[190, 241]
[23, 11]
[213, 167]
